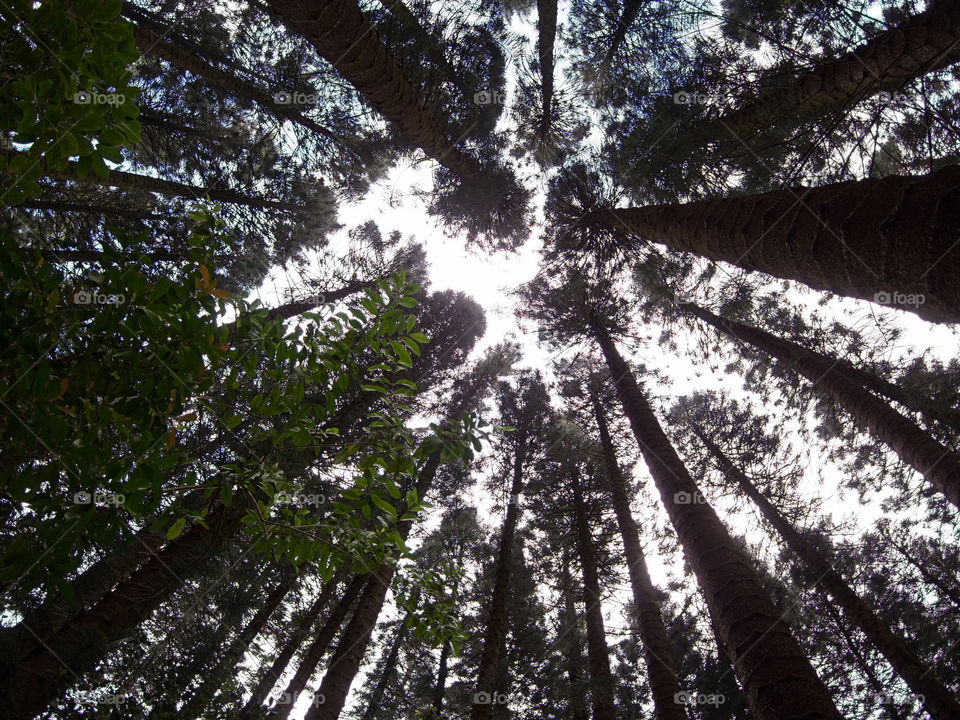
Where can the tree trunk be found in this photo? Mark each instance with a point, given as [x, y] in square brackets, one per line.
[353, 643]
[547, 33]
[661, 672]
[938, 464]
[99, 210]
[341, 34]
[777, 678]
[201, 697]
[387, 673]
[598, 654]
[89, 588]
[631, 8]
[165, 49]
[885, 240]
[132, 181]
[495, 632]
[79, 645]
[318, 648]
[254, 706]
[937, 699]
[572, 648]
[440, 687]
[923, 43]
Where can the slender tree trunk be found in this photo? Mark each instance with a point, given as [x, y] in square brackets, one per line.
[938, 464]
[387, 673]
[440, 687]
[547, 33]
[938, 701]
[132, 181]
[318, 648]
[598, 654]
[777, 678]
[879, 689]
[341, 34]
[98, 209]
[175, 54]
[254, 706]
[631, 8]
[662, 674]
[201, 697]
[572, 644]
[885, 240]
[931, 578]
[921, 44]
[353, 643]
[46, 672]
[496, 629]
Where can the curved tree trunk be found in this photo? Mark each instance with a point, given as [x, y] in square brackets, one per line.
[495, 632]
[175, 54]
[572, 644]
[661, 672]
[598, 654]
[547, 33]
[938, 464]
[888, 239]
[923, 43]
[631, 8]
[200, 698]
[777, 678]
[318, 648]
[123, 180]
[341, 34]
[46, 672]
[253, 708]
[937, 699]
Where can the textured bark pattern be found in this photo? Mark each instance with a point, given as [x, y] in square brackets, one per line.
[253, 707]
[43, 674]
[939, 465]
[201, 697]
[777, 678]
[151, 44]
[496, 630]
[598, 654]
[132, 181]
[353, 643]
[925, 42]
[859, 238]
[386, 674]
[547, 34]
[318, 648]
[341, 34]
[662, 675]
[434, 49]
[937, 699]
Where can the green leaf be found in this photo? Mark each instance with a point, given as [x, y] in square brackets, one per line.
[176, 528]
